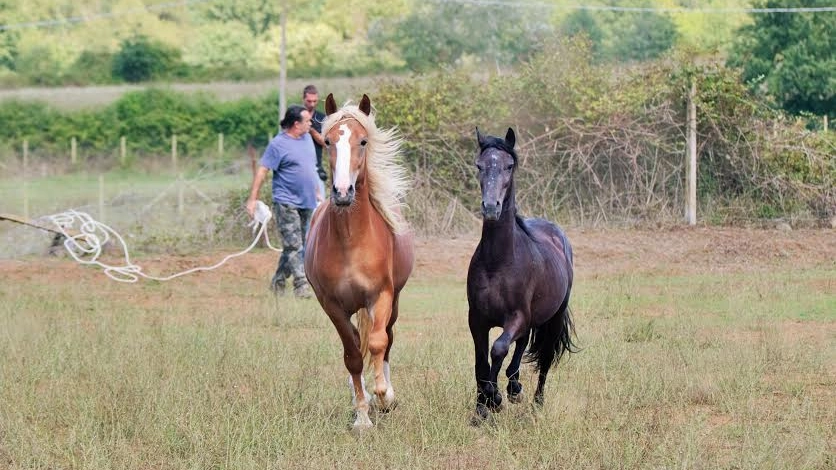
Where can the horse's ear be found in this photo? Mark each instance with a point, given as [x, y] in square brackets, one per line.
[366, 105]
[479, 137]
[510, 138]
[330, 105]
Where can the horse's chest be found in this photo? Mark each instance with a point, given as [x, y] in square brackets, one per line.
[496, 291]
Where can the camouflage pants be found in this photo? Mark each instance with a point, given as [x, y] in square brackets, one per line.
[293, 225]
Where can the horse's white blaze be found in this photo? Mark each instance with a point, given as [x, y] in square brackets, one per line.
[343, 167]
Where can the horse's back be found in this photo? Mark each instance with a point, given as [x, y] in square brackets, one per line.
[545, 231]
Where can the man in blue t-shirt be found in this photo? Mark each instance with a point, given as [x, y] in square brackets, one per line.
[291, 158]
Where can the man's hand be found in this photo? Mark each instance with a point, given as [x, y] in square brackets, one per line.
[251, 207]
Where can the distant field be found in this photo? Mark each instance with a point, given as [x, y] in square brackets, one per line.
[86, 97]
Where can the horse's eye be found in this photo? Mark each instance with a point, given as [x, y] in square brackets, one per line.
[327, 142]
[480, 167]
[363, 142]
[509, 167]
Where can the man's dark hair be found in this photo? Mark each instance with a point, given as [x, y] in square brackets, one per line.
[310, 90]
[292, 116]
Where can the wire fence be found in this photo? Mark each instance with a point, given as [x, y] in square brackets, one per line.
[168, 212]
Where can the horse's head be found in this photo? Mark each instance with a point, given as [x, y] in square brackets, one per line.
[346, 142]
[496, 163]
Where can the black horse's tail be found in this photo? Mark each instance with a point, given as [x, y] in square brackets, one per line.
[552, 339]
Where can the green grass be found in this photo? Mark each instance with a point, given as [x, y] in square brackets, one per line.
[694, 371]
[81, 189]
[154, 210]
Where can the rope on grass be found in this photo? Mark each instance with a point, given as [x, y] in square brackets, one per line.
[86, 245]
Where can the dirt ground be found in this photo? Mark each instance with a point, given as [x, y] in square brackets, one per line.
[598, 252]
[612, 251]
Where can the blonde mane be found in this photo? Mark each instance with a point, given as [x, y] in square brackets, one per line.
[387, 179]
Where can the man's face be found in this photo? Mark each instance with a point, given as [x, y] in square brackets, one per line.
[310, 100]
[305, 123]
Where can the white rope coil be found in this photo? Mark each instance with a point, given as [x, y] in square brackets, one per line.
[86, 245]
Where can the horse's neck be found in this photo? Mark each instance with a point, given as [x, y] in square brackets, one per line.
[498, 236]
[356, 221]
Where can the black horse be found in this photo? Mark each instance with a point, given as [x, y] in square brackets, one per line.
[519, 279]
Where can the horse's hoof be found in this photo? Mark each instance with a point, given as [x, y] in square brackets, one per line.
[387, 403]
[515, 398]
[361, 420]
[361, 425]
[386, 409]
[361, 428]
[479, 415]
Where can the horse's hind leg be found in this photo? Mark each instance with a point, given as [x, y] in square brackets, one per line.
[513, 370]
[552, 339]
[379, 347]
[389, 398]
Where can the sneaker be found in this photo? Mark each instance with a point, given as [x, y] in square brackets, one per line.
[303, 292]
[277, 286]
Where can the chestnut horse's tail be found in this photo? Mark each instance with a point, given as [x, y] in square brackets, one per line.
[364, 325]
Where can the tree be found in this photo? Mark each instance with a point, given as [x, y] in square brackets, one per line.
[257, 15]
[440, 34]
[581, 22]
[644, 36]
[8, 38]
[141, 59]
[790, 56]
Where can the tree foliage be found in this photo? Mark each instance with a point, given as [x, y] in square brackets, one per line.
[792, 57]
[140, 58]
[446, 33]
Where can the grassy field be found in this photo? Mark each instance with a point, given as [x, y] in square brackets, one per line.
[71, 98]
[711, 348]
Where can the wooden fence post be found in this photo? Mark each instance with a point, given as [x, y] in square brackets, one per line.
[221, 144]
[25, 179]
[174, 151]
[101, 197]
[73, 151]
[123, 150]
[691, 165]
[180, 196]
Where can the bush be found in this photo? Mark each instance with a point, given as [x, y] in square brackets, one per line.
[90, 68]
[141, 59]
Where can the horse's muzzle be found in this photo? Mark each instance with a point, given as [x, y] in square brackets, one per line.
[491, 211]
[342, 199]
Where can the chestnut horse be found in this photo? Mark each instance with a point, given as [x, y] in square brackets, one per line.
[359, 251]
[519, 279]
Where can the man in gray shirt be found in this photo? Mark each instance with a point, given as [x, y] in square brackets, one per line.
[291, 158]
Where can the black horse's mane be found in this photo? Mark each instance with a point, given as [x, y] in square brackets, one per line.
[497, 143]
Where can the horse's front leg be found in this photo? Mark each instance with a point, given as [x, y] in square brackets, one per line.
[511, 331]
[379, 338]
[485, 390]
[353, 359]
[513, 370]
